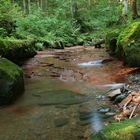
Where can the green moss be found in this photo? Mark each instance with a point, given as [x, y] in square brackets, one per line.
[11, 81]
[129, 129]
[14, 48]
[111, 40]
[9, 70]
[128, 44]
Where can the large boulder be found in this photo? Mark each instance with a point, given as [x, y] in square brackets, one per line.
[125, 43]
[128, 44]
[11, 81]
[16, 49]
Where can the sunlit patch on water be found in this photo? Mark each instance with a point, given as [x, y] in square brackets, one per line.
[91, 63]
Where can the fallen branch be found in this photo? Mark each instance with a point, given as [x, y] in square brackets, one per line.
[135, 107]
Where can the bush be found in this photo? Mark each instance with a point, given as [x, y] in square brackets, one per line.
[47, 29]
[8, 14]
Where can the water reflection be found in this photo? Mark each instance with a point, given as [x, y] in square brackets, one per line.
[96, 122]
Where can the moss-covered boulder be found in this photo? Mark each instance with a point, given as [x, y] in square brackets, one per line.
[11, 81]
[125, 130]
[111, 40]
[128, 44]
[15, 49]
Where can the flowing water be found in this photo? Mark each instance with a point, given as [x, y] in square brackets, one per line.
[64, 89]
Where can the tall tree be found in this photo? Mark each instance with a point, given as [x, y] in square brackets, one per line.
[29, 6]
[89, 3]
[134, 9]
[124, 9]
[24, 6]
[41, 4]
[74, 8]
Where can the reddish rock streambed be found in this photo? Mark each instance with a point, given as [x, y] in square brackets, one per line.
[64, 95]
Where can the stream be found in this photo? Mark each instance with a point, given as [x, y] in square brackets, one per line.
[65, 95]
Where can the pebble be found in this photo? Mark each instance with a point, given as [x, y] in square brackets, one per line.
[103, 110]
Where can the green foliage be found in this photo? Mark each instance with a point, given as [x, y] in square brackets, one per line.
[8, 15]
[128, 129]
[47, 28]
[96, 16]
[3, 32]
[8, 11]
[58, 23]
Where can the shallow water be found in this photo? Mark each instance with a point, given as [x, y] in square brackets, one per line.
[91, 63]
[61, 99]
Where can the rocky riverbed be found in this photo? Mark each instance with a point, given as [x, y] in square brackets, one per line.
[65, 95]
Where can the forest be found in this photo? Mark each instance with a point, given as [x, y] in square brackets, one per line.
[70, 69]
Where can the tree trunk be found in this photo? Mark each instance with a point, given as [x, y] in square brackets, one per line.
[38, 4]
[124, 9]
[44, 5]
[74, 8]
[89, 3]
[134, 9]
[24, 6]
[29, 6]
[41, 4]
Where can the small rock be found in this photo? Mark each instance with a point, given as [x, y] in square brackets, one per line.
[61, 122]
[119, 98]
[104, 110]
[100, 97]
[110, 114]
[114, 93]
[106, 61]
